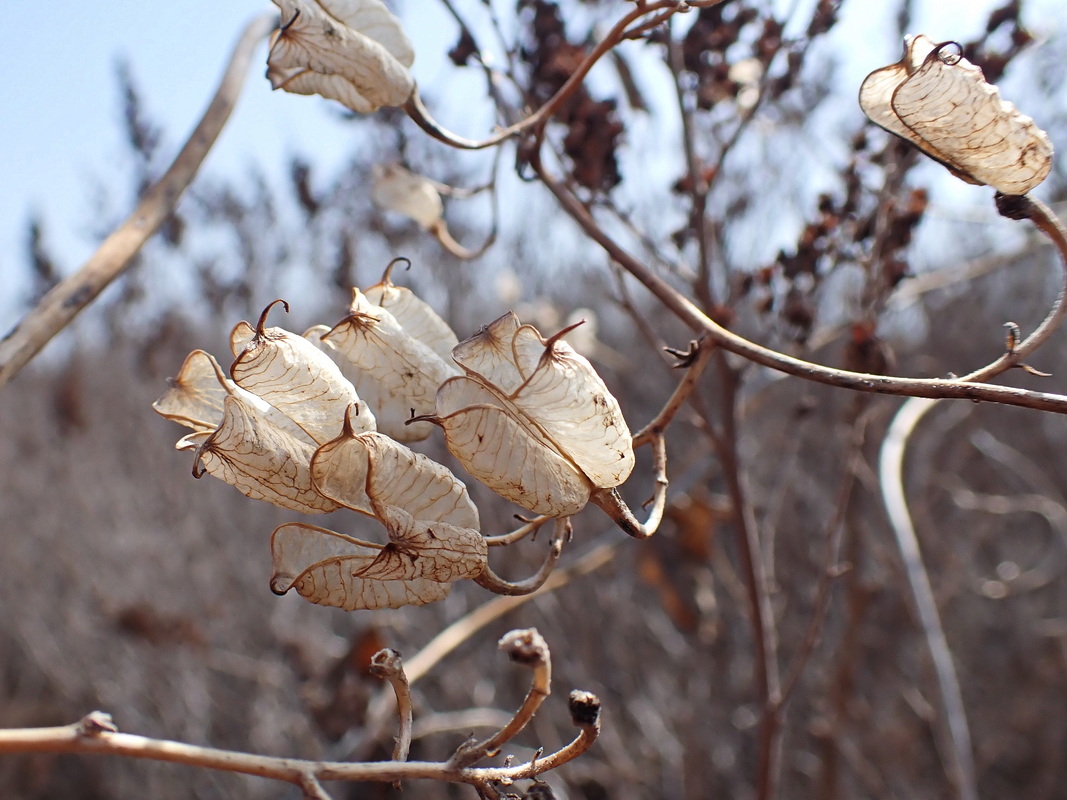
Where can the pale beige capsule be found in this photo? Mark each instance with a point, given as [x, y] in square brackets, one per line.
[415, 316]
[941, 103]
[351, 51]
[532, 419]
[299, 380]
[430, 520]
[396, 374]
[327, 568]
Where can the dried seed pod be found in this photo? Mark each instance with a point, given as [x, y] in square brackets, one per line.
[352, 51]
[532, 419]
[395, 373]
[941, 103]
[260, 437]
[326, 568]
[298, 379]
[414, 316]
[431, 522]
[399, 190]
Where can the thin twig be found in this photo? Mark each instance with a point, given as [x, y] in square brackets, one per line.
[448, 640]
[529, 526]
[494, 583]
[890, 472]
[697, 359]
[115, 255]
[528, 648]
[421, 116]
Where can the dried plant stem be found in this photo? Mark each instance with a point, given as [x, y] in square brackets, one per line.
[891, 478]
[87, 737]
[389, 665]
[699, 354]
[494, 583]
[64, 301]
[612, 504]
[687, 312]
[526, 647]
[761, 613]
[528, 527]
[421, 116]
[448, 640]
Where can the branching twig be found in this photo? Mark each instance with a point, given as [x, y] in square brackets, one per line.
[445, 642]
[114, 256]
[695, 360]
[687, 312]
[420, 115]
[90, 736]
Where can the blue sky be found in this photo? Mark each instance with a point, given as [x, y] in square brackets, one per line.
[60, 127]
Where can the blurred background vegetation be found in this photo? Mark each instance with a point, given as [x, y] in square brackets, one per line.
[127, 585]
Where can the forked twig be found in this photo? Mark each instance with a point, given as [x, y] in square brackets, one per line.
[891, 479]
[448, 640]
[694, 362]
[96, 735]
[114, 256]
[528, 648]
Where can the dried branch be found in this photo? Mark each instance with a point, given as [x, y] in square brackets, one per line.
[96, 735]
[115, 255]
[460, 631]
[694, 361]
[687, 312]
[528, 648]
[529, 526]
